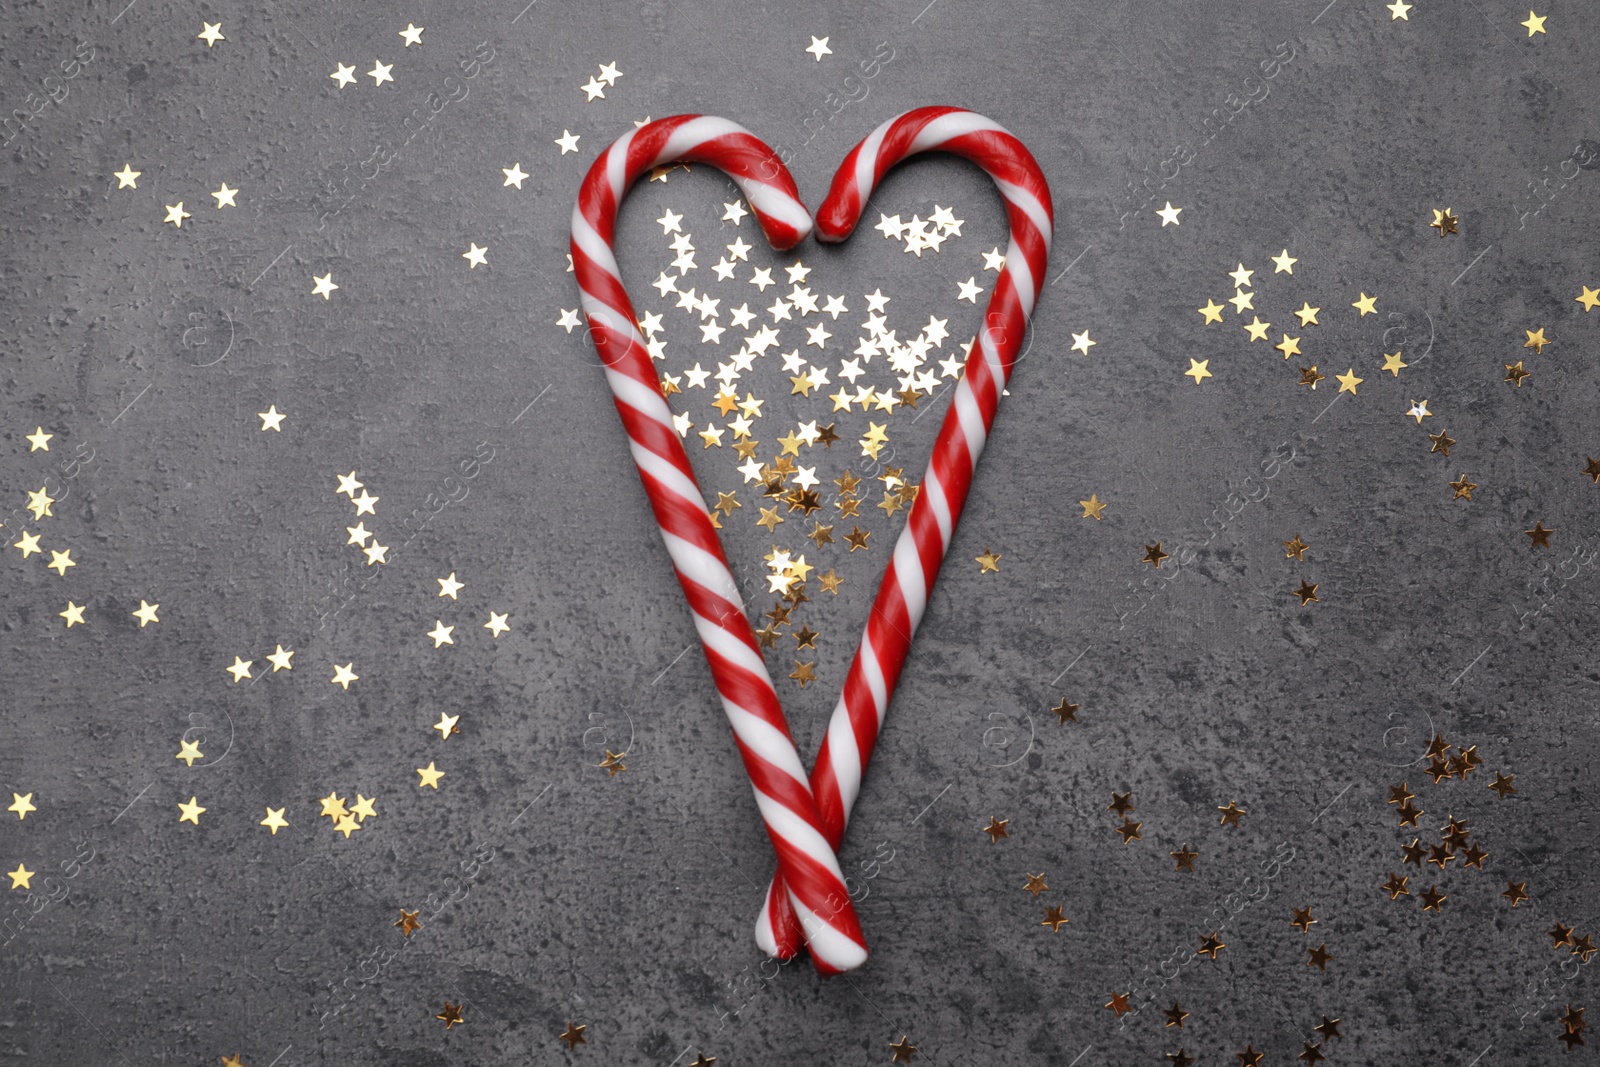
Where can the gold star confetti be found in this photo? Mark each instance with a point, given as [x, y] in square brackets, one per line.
[997, 828]
[430, 776]
[211, 34]
[1445, 222]
[274, 820]
[902, 1050]
[1169, 215]
[1092, 507]
[451, 1015]
[190, 812]
[1197, 370]
[989, 561]
[573, 1036]
[1534, 23]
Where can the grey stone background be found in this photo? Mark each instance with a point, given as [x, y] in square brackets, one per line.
[552, 893]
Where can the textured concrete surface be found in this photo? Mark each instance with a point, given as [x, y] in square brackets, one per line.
[552, 893]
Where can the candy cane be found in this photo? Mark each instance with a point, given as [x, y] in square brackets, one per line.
[815, 895]
[903, 594]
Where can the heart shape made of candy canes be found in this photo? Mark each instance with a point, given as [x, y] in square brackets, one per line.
[805, 816]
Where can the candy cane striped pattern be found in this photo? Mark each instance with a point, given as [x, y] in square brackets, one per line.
[814, 886]
[903, 594]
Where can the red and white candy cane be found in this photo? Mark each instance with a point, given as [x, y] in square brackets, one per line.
[903, 594]
[814, 892]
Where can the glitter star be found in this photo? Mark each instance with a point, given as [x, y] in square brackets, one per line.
[191, 812]
[441, 634]
[819, 48]
[271, 419]
[1169, 215]
[343, 676]
[1534, 23]
[128, 178]
[430, 776]
[176, 214]
[380, 73]
[1283, 263]
[1367, 305]
[1197, 370]
[146, 613]
[989, 561]
[325, 286]
[213, 33]
[1445, 222]
[515, 175]
[497, 623]
[997, 829]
